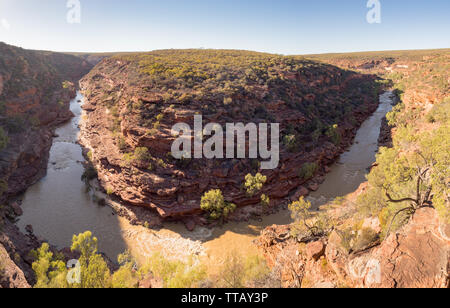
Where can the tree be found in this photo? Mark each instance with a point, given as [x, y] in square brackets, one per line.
[214, 203]
[94, 271]
[50, 272]
[414, 174]
[253, 184]
[126, 276]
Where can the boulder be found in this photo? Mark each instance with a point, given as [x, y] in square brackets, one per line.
[17, 209]
[301, 192]
[315, 250]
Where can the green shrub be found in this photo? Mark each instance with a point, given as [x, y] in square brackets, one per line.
[308, 170]
[142, 154]
[308, 223]
[3, 186]
[265, 200]
[290, 142]
[440, 112]
[238, 271]
[214, 203]
[121, 143]
[253, 184]
[334, 134]
[175, 274]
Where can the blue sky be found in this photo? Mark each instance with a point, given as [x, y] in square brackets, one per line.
[277, 26]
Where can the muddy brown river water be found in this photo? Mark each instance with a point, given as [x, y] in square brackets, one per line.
[59, 206]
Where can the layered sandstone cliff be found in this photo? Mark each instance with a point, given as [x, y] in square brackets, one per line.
[361, 249]
[418, 256]
[133, 101]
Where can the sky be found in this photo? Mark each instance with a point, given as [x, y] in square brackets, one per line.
[275, 26]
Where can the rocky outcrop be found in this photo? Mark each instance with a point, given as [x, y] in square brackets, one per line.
[418, 256]
[10, 275]
[15, 258]
[121, 102]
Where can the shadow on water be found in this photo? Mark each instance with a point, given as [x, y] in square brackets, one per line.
[59, 206]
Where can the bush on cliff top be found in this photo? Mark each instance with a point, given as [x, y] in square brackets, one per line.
[308, 223]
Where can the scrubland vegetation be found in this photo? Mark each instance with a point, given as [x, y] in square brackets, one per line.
[209, 81]
[236, 271]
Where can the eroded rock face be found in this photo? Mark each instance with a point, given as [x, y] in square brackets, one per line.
[113, 128]
[418, 256]
[11, 276]
[35, 90]
[15, 258]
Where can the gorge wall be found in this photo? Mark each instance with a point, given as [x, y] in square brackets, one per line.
[363, 245]
[35, 90]
[132, 101]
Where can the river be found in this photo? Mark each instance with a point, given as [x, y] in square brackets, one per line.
[59, 206]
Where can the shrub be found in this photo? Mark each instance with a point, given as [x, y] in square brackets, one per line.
[94, 270]
[175, 274]
[253, 184]
[3, 139]
[50, 270]
[214, 203]
[121, 143]
[366, 237]
[290, 142]
[308, 223]
[440, 112]
[126, 276]
[3, 187]
[334, 134]
[265, 200]
[16, 124]
[142, 154]
[243, 272]
[308, 170]
[139, 156]
[89, 173]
